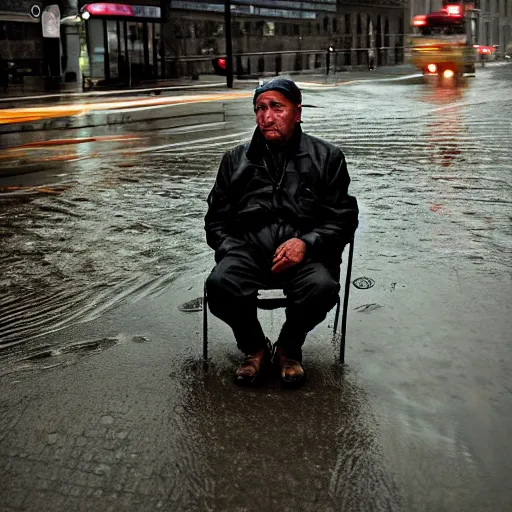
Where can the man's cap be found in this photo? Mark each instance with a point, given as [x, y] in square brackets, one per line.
[285, 86]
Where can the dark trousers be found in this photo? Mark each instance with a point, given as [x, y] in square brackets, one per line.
[312, 290]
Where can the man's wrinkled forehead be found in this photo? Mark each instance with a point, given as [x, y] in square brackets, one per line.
[269, 97]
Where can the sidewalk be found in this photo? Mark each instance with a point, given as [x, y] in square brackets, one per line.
[204, 82]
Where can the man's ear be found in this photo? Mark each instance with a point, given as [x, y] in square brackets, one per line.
[299, 114]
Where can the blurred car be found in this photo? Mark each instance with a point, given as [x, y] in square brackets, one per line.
[486, 51]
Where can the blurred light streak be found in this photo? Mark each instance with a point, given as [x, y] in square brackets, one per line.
[31, 114]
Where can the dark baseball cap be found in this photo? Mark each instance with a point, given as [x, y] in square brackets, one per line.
[285, 86]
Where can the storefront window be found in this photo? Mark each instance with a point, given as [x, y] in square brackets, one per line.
[135, 43]
[113, 48]
[123, 65]
[84, 54]
[123, 49]
[156, 50]
[96, 48]
[151, 42]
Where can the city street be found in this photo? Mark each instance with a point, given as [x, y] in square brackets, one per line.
[105, 403]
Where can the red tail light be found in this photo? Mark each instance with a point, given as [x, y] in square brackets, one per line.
[420, 20]
[453, 10]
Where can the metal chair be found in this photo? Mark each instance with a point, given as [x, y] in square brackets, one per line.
[273, 302]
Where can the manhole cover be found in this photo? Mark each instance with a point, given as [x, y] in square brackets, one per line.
[363, 283]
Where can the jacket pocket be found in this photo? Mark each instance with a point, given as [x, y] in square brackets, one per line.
[308, 201]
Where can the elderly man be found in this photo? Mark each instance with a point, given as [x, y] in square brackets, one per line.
[279, 215]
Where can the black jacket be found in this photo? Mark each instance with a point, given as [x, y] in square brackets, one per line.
[249, 204]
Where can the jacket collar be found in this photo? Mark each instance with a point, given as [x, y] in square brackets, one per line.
[299, 145]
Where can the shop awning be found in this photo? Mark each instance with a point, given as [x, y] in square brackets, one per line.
[108, 9]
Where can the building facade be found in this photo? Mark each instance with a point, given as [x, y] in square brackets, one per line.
[27, 53]
[268, 36]
[423, 7]
[129, 41]
[121, 41]
[371, 33]
[21, 38]
[271, 36]
[496, 24]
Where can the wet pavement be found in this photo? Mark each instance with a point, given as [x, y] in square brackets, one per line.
[105, 402]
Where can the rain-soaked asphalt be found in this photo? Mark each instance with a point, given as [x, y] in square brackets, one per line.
[105, 405]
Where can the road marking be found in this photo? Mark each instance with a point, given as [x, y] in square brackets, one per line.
[78, 140]
[190, 143]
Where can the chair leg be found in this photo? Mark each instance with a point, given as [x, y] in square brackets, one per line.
[336, 318]
[345, 302]
[205, 324]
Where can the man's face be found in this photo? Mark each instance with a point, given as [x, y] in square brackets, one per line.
[276, 116]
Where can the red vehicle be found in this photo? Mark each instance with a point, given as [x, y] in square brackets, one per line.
[486, 52]
[443, 43]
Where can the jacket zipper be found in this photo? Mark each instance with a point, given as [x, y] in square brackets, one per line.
[276, 185]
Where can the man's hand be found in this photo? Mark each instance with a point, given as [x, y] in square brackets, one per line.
[288, 254]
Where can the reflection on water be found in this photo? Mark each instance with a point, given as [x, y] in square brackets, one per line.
[447, 127]
[312, 449]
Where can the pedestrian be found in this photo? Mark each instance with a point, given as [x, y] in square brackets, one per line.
[279, 215]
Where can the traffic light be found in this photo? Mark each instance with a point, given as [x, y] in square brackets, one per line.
[220, 65]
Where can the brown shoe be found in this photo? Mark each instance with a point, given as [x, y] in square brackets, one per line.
[292, 372]
[251, 367]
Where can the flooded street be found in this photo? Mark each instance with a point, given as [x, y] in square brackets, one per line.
[431, 167]
[98, 252]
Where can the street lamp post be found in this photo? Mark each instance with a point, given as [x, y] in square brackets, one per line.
[229, 43]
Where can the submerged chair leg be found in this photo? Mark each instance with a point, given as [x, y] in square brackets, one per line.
[205, 324]
[345, 302]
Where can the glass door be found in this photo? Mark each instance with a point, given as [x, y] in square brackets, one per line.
[113, 48]
[151, 55]
[136, 50]
[157, 50]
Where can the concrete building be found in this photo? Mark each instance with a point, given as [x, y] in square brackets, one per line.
[496, 24]
[268, 36]
[29, 58]
[21, 38]
[423, 7]
[372, 32]
[272, 36]
[126, 42]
